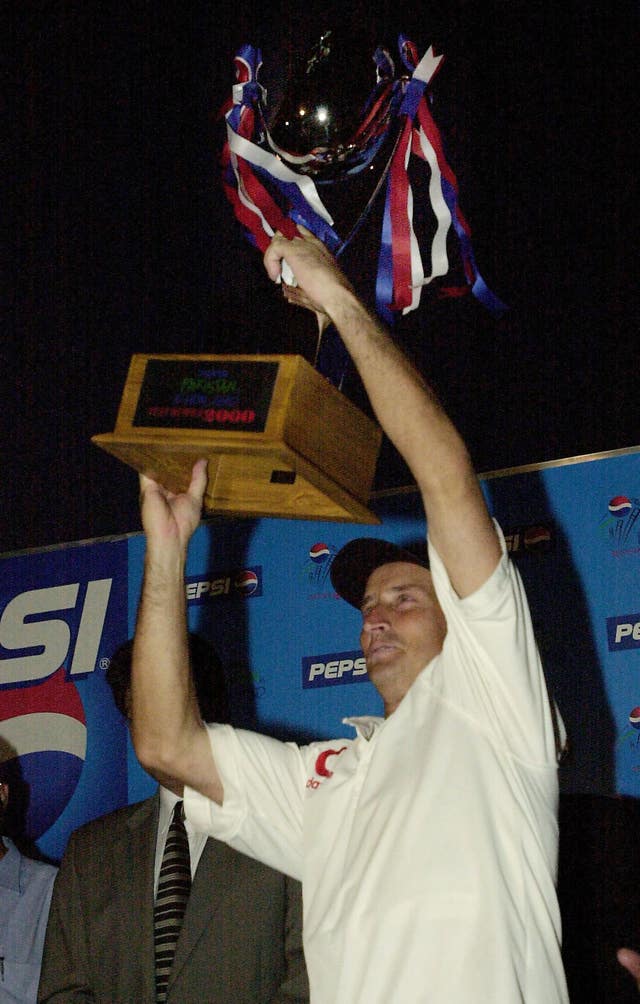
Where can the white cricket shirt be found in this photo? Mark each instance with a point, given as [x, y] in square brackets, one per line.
[427, 845]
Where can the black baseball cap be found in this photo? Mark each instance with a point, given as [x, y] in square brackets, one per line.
[354, 563]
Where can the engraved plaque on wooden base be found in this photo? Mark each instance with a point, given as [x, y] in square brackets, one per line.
[280, 439]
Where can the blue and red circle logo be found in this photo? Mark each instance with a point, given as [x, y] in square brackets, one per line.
[620, 506]
[44, 734]
[319, 553]
[246, 582]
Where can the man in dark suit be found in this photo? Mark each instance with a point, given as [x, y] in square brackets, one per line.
[240, 940]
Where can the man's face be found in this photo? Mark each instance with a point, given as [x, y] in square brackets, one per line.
[403, 626]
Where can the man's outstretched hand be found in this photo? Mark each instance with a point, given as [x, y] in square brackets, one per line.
[321, 284]
[168, 517]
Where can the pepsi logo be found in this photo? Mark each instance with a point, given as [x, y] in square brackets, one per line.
[634, 718]
[318, 562]
[623, 632]
[332, 669]
[43, 727]
[620, 506]
[319, 553]
[43, 645]
[246, 582]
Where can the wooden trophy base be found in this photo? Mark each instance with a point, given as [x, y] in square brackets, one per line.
[280, 439]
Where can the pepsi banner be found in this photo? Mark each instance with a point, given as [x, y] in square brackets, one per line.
[62, 613]
[260, 590]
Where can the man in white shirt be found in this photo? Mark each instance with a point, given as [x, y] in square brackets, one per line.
[427, 845]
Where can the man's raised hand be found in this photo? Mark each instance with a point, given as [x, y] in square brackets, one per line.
[170, 517]
[318, 275]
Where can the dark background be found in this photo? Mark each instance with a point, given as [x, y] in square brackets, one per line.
[120, 239]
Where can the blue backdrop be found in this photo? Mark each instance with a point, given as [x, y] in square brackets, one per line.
[260, 590]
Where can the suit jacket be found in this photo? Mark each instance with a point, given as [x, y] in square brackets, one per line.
[240, 942]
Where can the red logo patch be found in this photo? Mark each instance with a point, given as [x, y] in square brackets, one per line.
[321, 762]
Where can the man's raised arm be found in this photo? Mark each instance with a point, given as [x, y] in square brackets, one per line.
[408, 411]
[169, 737]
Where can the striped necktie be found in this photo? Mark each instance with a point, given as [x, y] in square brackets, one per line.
[174, 886]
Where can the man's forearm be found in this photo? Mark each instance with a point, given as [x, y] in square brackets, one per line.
[404, 404]
[164, 708]
[406, 408]
[417, 425]
[169, 736]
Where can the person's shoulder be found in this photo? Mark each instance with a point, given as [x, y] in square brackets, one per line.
[112, 822]
[259, 876]
[41, 872]
[26, 858]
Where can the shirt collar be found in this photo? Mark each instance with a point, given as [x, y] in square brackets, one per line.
[365, 725]
[167, 801]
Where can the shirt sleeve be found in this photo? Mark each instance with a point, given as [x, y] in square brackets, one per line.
[490, 666]
[264, 786]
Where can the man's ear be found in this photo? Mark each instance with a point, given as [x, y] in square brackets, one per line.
[4, 794]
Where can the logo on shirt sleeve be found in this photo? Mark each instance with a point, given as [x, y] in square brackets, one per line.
[321, 768]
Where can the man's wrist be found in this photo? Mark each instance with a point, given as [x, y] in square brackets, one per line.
[164, 566]
[344, 308]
